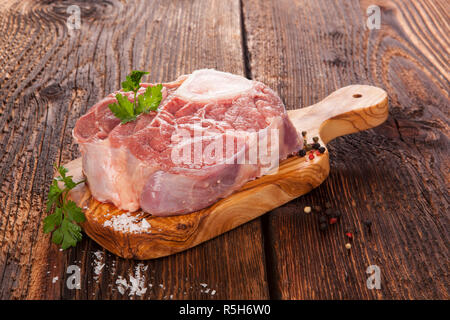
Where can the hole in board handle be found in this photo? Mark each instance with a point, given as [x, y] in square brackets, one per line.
[357, 95]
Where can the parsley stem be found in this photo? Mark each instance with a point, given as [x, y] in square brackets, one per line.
[66, 190]
[134, 104]
[80, 182]
[62, 222]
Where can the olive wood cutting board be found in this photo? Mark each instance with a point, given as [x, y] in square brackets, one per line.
[347, 110]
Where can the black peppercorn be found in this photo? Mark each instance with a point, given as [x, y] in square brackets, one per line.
[315, 145]
[316, 139]
[321, 149]
[323, 226]
[302, 153]
[304, 133]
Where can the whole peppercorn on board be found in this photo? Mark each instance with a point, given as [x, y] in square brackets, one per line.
[350, 109]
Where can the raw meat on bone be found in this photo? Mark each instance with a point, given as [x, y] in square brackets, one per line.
[212, 119]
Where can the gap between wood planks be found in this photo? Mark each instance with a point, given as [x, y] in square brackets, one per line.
[267, 248]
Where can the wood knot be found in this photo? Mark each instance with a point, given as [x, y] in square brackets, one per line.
[94, 9]
[334, 59]
[181, 226]
[335, 34]
[52, 91]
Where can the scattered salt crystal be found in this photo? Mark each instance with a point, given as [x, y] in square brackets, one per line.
[98, 264]
[122, 284]
[141, 266]
[55, 279]
[136, 283]
[207, 290]
[98, 255]
[145, 224]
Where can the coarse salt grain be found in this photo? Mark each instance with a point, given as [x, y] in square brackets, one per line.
[128, 223]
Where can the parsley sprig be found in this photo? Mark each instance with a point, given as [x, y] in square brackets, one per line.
[66, 212]
[128, 111]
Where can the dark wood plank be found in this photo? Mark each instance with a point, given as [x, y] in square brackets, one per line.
[48, 78]
[395, 175]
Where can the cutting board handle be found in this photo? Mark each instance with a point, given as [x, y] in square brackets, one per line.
[347, 110]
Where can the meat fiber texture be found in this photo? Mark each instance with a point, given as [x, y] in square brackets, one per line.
[212, 133]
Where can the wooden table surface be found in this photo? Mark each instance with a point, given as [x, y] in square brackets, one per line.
[396, 176]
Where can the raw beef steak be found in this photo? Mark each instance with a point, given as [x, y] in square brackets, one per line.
[213, 132]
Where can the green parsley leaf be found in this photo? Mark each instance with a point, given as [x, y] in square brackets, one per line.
[74, 212]
[150, 99]
[53, 220]
[57, 236]
[124, 109]
[62, 171]
[53, 195]
[71, 234]
[133, 80]
[68, 182]
[61, 221]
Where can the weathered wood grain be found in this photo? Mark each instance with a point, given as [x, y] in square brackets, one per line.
[49, 76]
[395, 175]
